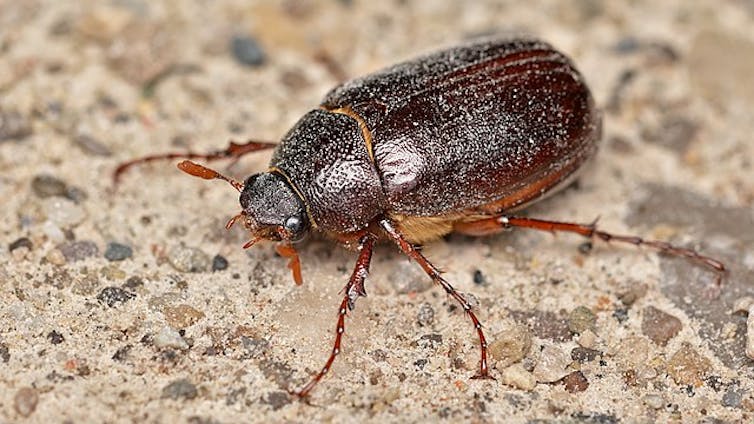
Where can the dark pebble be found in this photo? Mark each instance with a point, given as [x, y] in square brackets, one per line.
[4, 352]
[91, 145]
[585, 248]
[180, 389]
[111, 296]
[659, 326]
[76, 194]
[620, 315]
[22, 242]
[14, 126]
[430, 341]
[117, 252]
[575, 382]
[55, 337]
[254, 347]
[582, 354]
[78, 250]
[219, 263]
[133, 283]
[277, 399]
[122, 353]
[247, 50]
[45, 185]
[479, 277]
[426, 315]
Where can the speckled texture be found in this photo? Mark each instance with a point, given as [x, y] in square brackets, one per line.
[85, 85]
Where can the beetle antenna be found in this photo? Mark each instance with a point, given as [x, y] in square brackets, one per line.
[201, 171]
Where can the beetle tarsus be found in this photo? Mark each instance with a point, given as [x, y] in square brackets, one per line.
[360, 272]
[411, 251]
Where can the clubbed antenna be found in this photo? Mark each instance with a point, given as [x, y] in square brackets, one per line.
[200, 171]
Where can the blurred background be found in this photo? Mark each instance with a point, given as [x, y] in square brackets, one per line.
[135, 304]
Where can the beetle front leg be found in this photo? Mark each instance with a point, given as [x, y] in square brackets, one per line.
[499, 223]
[360, 272]
[234, 151]
[412, 252]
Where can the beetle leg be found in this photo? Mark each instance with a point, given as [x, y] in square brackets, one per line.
[234, 151]
[360, 272]
[590, 231]
[412, 252]
[287, 250]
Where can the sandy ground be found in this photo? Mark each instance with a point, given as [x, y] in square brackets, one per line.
[92, 331]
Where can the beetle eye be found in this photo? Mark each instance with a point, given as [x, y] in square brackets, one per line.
[294, 224]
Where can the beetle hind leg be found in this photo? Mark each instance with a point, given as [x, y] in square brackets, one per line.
[360, 272]
[499, 223]
[413, 252]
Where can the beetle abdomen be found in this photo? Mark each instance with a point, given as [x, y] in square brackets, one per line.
[474, 126]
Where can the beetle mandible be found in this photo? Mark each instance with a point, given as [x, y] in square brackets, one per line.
[454, 141]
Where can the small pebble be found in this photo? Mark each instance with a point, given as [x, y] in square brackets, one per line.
[169, 338]
[78, 250]
[25, 401]
[732, 398]
[575, 382]
[180, 389]
[654, 401]
[55, 257]
[659, 326]
[581, 319]
[181, 316]
[510, 345]
[479, 277]
[552, 364]
[4, 353]
[111, 296]
[688, 367]
[22, 242]
[426, 315]
[219, 263]
[45, 185]
[587, 339]
[630, 296]
[91, 145]
[55, 338]
[582, 355]
[517, 376]
[189, 259]
[62, 212]
[247, 50]
[14, 126]
[430, 341]
[53, 232]
[117, 252]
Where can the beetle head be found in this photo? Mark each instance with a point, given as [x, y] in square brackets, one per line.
[272, 210]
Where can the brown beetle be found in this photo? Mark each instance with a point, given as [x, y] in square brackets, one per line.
[452, 141]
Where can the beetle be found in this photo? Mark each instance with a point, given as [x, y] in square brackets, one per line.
[454, 141]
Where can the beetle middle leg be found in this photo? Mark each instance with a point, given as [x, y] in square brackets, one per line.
[360, 272]
[411, 251]
[499, 223]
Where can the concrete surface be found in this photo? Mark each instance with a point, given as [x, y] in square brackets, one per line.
[611, 335]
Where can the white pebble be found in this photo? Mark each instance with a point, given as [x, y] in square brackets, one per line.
[517, 376]
[750, 333]
[552, 365]
[62, 212]
[167, 337]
